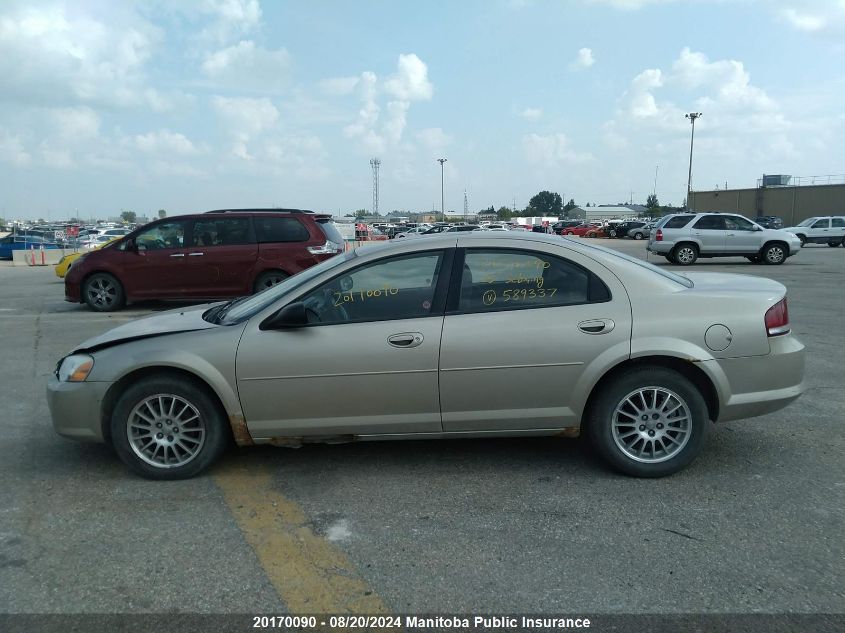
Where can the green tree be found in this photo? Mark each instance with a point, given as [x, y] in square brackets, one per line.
[162, 213]
[360, 213]
[569, 205]
[128, 216]
[651, 203]
[504, 213]
[546, 203]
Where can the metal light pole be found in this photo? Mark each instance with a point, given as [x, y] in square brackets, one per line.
[692, 116]
[442, 199]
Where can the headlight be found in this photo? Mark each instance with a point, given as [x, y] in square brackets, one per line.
[75, 368]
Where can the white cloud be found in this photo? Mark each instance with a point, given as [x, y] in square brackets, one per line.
[49, 56]
[584, 59]
[165, 141]
[551, 151]
[433, 138]
[12, 149]
[246, 117]
[629, 5]
[397, 119]
[247, 66]
[231, 18]
[337, 86]
[410, 83]
[804, 21]
[531, 114]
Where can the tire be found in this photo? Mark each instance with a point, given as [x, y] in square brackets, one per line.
[774, 254]
[154, 402]
[625, 442]
[638, 236]
[669, 258]
[685, 254]
[803, 239]
[102, 292]
[833, 244]
[612, 234]
[269, 279]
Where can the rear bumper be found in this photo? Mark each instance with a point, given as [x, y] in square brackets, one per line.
[757, 385]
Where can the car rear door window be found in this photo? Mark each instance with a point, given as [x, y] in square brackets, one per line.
[837, 223]
[388, 289]
[221, 232]
[275, 229]
[500, 279]
[709, 223]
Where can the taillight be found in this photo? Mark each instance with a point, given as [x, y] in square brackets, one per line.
[658, 237]
[329, 248]
[777, 319]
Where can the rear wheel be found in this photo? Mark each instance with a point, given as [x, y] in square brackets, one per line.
[648, 422]
[685, 254]
[269, 279]
[102, 292]
[638, 236]
[167, 427]
[774, 254]
[669, 258]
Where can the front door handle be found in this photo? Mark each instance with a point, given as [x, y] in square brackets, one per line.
[177, 254]
[405, 339]
[195, 254]
[597, 326]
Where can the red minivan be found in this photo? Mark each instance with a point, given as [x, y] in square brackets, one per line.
[214, 255]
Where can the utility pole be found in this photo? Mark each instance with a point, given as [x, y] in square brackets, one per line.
[466, 206]
[375, 163]
[654, 191]
[442, 195]
[692, 116]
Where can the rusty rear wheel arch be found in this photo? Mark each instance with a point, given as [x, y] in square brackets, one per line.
[237, 429]
[685, 368]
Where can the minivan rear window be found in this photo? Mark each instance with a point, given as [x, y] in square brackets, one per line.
[270, 229]
[330, 230]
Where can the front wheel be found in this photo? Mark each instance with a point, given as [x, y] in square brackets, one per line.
[103, 293]
[648, 422]
[167, 427]
[774, 254]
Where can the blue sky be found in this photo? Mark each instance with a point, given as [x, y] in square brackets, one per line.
[215, 103]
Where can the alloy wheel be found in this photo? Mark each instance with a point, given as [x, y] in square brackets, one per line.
[102, 292]
[165, 431]
[651, 425]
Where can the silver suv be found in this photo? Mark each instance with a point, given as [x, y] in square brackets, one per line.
[684, 237]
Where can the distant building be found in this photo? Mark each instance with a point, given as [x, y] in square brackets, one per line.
[610, 212]
[792, 199]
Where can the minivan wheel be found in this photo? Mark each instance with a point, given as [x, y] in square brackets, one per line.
[648, 422]
[774, 254]
[685, 254]
[103, 293]
[167, 427]
[269, 279]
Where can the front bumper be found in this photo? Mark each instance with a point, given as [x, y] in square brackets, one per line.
[73, 293]
[757, 385]
[76, 408]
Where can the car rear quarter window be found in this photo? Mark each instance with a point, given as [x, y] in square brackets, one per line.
[499, 279]
[677, 221]
[329, 229]
[275, 229]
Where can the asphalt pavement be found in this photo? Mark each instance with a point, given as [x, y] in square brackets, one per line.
[755, 525]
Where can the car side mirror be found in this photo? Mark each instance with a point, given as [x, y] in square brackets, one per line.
[292, 315]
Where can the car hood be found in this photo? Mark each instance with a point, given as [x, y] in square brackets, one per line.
[734, 283]
[169, 322]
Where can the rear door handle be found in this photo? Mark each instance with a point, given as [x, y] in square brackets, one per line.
[405, 339]
[177, 254]
[596, 326]
[195, 254]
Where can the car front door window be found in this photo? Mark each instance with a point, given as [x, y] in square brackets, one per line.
[396, 288]
[162, 236]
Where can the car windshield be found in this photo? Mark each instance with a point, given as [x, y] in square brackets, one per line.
[245, 307]
[807, 222]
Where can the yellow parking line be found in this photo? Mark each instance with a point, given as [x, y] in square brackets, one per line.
[309, 573]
